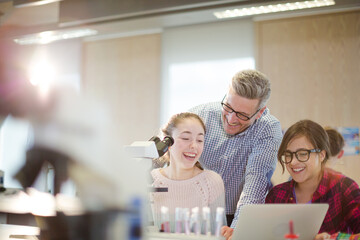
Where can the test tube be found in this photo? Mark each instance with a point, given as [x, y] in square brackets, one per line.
[186, 219]
[195, 220]
[165, 219]
[178, 220]
[219, 220]
[206, 220]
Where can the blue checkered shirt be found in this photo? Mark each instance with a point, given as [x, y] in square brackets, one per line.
[245, 161]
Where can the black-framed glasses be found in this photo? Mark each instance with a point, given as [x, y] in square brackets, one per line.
[243, 117]
[302, 155]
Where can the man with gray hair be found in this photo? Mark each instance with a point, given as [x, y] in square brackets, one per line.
[241, 141]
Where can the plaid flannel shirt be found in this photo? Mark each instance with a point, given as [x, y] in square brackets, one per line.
[340, 192]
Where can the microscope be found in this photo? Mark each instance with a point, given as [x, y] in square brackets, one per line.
[146, 151]
[77, 140]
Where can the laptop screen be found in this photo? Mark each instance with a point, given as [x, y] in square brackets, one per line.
[271, 221]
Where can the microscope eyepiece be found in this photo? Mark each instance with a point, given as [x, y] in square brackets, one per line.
[169, 141]
[155, 139]
[162, 146]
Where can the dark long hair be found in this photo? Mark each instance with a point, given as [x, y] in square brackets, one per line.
[313, 131]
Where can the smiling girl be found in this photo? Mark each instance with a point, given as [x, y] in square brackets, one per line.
[188, 184]
[303, 152]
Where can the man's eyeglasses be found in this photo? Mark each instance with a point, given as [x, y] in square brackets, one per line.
[302, 155]
[228, 109]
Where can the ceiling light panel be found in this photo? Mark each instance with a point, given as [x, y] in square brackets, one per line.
[51, 36]
[32, 3]
[281, 7]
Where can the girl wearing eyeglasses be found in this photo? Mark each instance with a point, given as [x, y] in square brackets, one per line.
[304, 151]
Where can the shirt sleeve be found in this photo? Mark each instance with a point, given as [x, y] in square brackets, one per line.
[270, 196]
[260, 167]
[351, 204]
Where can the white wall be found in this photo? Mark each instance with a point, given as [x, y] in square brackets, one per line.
[14, 140]
[199, 50]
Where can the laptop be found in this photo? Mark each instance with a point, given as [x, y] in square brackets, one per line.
[271, 221]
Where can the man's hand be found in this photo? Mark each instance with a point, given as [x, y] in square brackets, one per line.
[322, 236]
[227, 232]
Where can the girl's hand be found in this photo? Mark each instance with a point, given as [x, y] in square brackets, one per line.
[227, 232]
